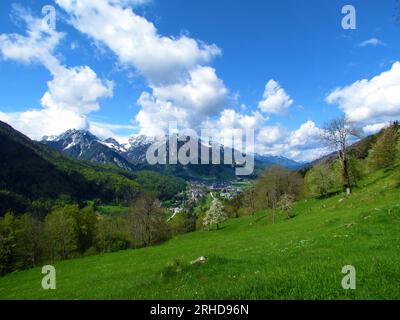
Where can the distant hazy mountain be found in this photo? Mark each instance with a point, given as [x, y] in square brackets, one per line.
[132, 156]
[280, 161]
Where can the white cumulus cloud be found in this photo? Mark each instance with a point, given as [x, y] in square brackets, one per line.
[275, 99]
[37, 46]
[136, 41]
[375, 128]
[76, 89]
[156, 115]
[183, 88]
[72, 93]
[271, 134]
[302, 144]
[370, 101]
[37, 123]
[203, 93]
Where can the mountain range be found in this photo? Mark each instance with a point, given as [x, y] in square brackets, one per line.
[34, 176]
[83, 145]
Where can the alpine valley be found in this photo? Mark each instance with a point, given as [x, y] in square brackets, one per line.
[83, 145]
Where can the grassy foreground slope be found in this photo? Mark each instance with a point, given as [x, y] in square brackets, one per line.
[301, 258]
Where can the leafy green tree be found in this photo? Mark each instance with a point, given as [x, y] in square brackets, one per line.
[322, 179]
[29, 235]
[237, 206]
[112, 235]
[357, 169]
[275, 182]
[147, 221]
[398, 150]
[384, 153]
[60, 232]
[183, 222]
[8, 243]
[87, 227]
[215, 215]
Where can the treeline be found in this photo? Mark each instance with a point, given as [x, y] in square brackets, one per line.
[326, 177]
[278, 188]
[107, 185]
[70, 231]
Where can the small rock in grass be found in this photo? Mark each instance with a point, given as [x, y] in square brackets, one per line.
[200, 260]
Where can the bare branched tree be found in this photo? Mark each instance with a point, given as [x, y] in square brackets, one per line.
[337, 135]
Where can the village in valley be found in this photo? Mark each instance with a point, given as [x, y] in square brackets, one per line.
[198, 191]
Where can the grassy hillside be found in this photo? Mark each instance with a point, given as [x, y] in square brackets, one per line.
[300, 258]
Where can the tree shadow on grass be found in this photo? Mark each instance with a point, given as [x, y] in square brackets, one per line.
[330, 195]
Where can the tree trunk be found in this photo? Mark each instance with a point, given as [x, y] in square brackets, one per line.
[346, 176]
[345, 171]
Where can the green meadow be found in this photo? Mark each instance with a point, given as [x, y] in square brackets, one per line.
[251, 258]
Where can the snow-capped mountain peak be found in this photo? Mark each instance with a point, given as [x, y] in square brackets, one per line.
[83, 145]
[141, 140]
[114, 145]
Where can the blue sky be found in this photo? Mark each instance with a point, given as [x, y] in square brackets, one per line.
[204, 61]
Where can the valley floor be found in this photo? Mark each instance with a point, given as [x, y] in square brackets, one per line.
[300, 258]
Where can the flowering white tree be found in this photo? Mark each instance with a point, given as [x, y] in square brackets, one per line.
[215, 215]
[286, 204]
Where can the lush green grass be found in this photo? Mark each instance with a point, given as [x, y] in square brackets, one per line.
[113, 210]
[300, 258]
